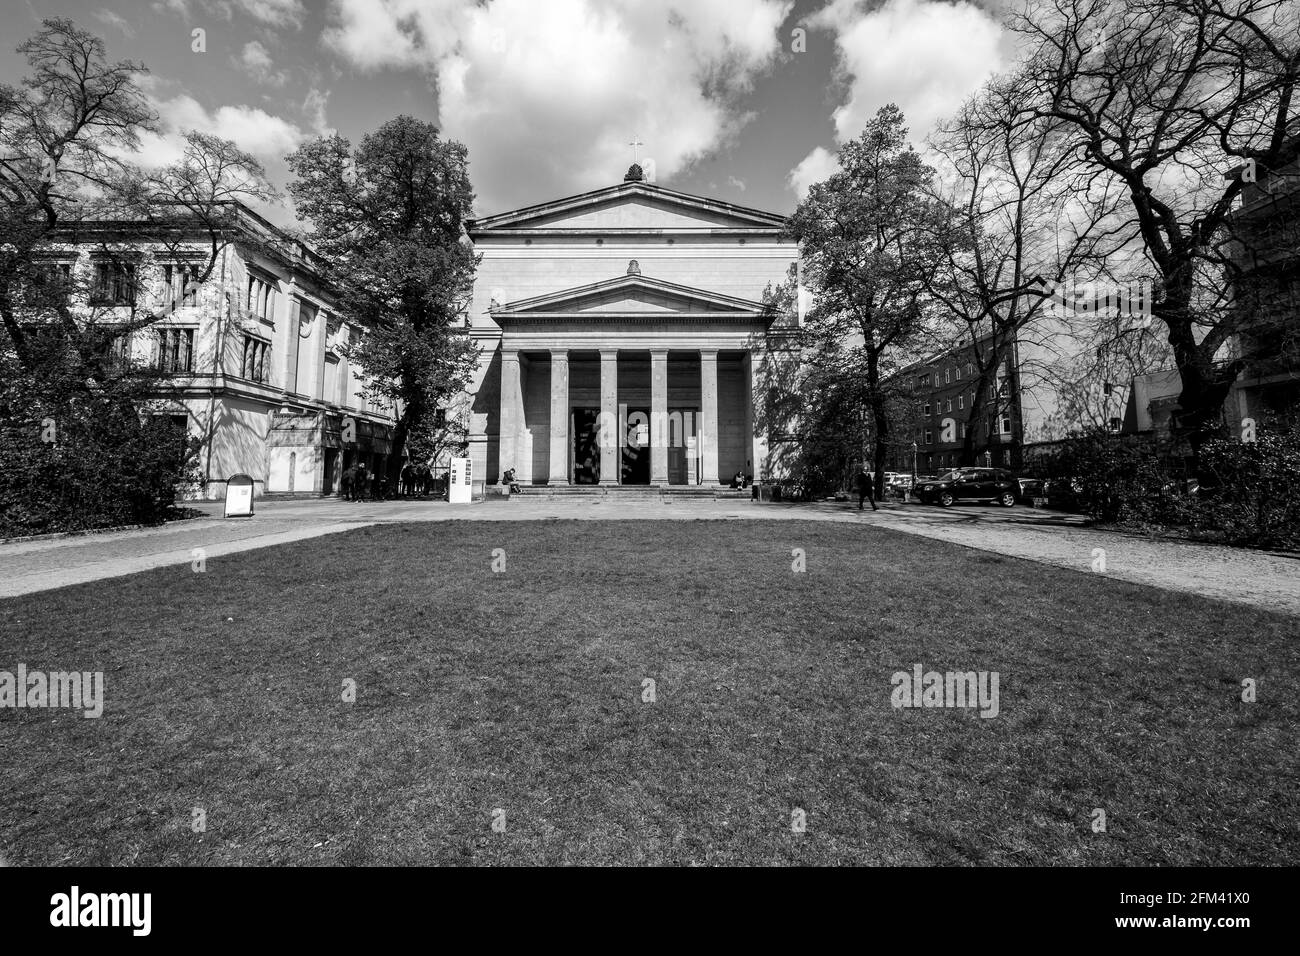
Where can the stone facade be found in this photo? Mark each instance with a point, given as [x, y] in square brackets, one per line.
[622, 333]
[254, 356]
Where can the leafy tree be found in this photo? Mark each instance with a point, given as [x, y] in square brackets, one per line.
[67, 134]
[866, 242]
[388, 216]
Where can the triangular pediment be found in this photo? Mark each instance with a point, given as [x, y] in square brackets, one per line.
[629, 295]
[630, 206]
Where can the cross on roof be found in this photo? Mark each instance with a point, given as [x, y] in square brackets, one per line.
[636, 144]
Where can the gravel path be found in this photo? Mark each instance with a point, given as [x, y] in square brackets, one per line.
[1261, 580]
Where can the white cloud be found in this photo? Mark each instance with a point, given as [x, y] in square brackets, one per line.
[256, 61]
[267, 137]
[116, 20]
[813, 168]
[737, 183]
[314, 107]
[275, 13]
[925, 56]
[568, 82]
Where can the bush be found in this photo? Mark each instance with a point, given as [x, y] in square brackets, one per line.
[75, 456]
[1106, 477]
[1248, 493]
[1253, 488]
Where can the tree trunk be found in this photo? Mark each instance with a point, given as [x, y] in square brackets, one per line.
[880, 418]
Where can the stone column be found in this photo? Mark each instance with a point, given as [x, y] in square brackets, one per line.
[288, 317]
[756, 442]
[512, 413]
[708, 416]
[319, 341]
[559, 417]
[611, 443]
[659, 416]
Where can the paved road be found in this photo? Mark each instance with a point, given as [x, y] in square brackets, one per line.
[1260, 580]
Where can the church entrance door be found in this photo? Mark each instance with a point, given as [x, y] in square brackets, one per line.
[585, 464]
[636, 448]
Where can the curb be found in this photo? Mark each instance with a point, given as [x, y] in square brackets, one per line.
[87, 532]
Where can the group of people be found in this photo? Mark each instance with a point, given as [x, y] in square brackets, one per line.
[416, 480]
[359, 483]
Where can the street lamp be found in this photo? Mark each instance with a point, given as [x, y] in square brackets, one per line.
[913, 467]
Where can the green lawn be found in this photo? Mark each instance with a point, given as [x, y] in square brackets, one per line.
[522, 691]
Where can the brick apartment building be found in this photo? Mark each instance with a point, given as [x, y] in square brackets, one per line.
[941, 390]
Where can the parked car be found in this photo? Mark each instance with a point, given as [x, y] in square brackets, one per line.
[897, 483]
[1032, 488]
[970, 484]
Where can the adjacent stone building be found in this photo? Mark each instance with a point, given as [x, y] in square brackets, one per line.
[253, 358]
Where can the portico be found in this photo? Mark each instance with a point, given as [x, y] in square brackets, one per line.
[661, 416]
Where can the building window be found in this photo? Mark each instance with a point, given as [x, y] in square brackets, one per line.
[929, 437]
[961, 402]
[961, 430]
[182, 282]
[923, 381]
[260, 300]
[957, 373]
[925, 409]
[1005, 388]
[947, 404]
[1006, 425]
[175, 351]
[120, 349]
[57, 278]
[947, 376]
[1114, 424]
[255, 353]
[972, 398]
[114, 284]
[936, 379]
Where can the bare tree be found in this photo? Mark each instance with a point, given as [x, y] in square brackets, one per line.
[863, 236]
[1162, 98]
[1018, 227]
[65, 139]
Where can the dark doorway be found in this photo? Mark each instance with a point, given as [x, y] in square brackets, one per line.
[331, 471]
[680, 427]
[636, 448]
[586, 446]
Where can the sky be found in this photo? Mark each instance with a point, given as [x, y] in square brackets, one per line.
[746, 101]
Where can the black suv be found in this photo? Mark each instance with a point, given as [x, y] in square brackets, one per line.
[991, 484]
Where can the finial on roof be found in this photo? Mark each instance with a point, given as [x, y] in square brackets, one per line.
[634, 174]
[633, 267]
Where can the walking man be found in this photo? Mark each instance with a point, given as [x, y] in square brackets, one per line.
[864, 490]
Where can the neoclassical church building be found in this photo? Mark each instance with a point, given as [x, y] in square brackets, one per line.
[623, 335]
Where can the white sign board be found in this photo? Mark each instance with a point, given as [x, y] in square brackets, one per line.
[239, 499]
[460, 486]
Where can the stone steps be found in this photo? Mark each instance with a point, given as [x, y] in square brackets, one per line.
[633, 492]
